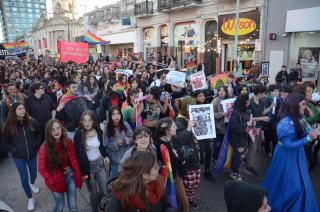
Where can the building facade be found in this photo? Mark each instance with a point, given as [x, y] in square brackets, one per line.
[18, 16]
[294, 38]
[114, 23]
[190, 31]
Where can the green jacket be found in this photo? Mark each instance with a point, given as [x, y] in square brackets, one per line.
[316, 114]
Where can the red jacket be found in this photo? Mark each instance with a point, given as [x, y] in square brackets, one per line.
[54, 179]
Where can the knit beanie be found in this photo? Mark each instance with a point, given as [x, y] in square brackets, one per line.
[243, 197]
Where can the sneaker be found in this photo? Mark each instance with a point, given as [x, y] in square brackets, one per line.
[251, 170]
[31, 204]
[35, 189]
[193, 205]
[209, 176]
[235, 176]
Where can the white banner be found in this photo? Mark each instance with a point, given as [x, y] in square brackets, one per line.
[124, 71]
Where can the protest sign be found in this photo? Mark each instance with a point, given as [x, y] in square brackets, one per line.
[73, 51]
[126, 72]
[227, 106]
[203, 118]
[198, 81]
[176, 78]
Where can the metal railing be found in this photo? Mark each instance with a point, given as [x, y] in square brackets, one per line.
[143, 8]
[168, 4]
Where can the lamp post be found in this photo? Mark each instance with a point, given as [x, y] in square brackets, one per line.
[235, 52]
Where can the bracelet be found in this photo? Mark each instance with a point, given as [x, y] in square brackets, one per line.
[308, 139]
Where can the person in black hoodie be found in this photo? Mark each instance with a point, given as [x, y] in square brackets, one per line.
[188, 149]
[166, 135]
[92, 157]
[244, 197]
[22, 138]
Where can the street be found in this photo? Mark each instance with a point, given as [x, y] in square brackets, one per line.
[209, 196]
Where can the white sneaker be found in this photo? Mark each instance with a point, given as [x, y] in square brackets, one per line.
[31, 204]
[35, 189]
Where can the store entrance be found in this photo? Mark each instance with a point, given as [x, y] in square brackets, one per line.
[246, 54]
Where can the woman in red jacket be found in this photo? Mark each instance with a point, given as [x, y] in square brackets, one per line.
[58, 166]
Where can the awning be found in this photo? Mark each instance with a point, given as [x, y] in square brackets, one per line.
[93, 39]
[121, 37]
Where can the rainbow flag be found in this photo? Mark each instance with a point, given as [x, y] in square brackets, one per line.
[225, 154]
[168, 176]
[218, 80]
[93, 39]
[22, 45]
[9, 46]
[16, 46]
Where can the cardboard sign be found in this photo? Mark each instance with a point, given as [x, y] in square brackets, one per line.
[198, 81]
[176, 78]
[72, 51]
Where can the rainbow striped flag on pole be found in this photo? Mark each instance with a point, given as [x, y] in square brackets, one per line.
[93, 39]
[168, 176]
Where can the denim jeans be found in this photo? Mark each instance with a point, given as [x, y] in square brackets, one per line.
[23, 173]
[71, 194]
[114, 170]
[97, 183]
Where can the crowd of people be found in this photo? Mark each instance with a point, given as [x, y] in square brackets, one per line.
[78, 124]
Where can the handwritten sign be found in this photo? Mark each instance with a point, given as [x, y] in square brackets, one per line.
[73, 51]
[176, 78]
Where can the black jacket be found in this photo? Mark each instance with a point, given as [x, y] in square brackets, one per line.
[187, 141]
[72, 111]
[176, 162]
[81, 152]
[25, 144]
[114, 205]
[282, 77]
[40, 109]
[105, 105]
[238, 135]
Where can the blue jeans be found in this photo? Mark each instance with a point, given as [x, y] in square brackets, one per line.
[23, 173]
[71, 194]
[114, 170]
[97, 183]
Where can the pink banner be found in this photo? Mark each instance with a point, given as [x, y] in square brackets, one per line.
[76, 52]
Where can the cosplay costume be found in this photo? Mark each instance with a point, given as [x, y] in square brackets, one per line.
[287, 180]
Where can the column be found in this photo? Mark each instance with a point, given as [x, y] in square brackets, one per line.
[171, 37]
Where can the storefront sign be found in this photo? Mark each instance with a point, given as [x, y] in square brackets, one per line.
[249, 25]
[72, 51]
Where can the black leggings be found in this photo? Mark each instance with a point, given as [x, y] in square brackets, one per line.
[205, 153]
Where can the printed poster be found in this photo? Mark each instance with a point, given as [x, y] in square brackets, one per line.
[198, 81]
[203, 118]
[309, 60]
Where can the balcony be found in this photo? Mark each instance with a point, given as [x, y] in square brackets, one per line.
[144, 8]
[164, 5]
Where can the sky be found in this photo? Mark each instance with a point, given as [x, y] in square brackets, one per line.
[82, 6]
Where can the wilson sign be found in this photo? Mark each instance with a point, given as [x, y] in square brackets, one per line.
[249, 24]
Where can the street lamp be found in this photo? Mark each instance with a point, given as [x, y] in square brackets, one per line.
[235, 51]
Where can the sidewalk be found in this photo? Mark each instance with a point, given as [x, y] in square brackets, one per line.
[12, 194]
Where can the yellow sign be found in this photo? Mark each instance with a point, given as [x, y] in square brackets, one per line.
[246, 26]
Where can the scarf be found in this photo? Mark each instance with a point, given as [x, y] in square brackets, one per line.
[67, 98]
[154, 194]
